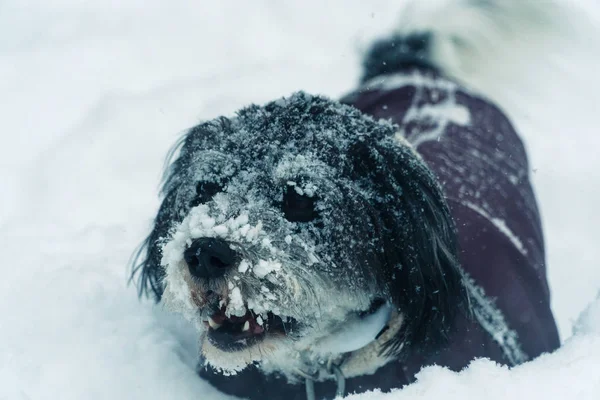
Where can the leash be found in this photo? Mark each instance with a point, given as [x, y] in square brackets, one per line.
[332, 369]
[310, 389]
[359, 331]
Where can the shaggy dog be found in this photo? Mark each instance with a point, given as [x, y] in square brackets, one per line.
[322, 248]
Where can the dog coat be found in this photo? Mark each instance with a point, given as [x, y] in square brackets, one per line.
[481, 163]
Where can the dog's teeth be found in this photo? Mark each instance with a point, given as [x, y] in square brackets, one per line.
[213, 324]
[246, 326]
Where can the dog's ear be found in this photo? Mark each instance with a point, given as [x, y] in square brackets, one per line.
[147, 271]
[420, 265]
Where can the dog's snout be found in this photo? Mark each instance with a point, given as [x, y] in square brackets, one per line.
[209, 257]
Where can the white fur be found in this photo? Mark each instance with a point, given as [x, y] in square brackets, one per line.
[289, 297]
[487, 44]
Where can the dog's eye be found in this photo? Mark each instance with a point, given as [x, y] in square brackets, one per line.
[297, 207]
[205, 192]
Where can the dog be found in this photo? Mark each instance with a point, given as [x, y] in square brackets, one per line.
[327, 247]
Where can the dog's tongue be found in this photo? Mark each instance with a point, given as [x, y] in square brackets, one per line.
[356, 332]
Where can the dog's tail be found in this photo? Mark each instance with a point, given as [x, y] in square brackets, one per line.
[478, 42]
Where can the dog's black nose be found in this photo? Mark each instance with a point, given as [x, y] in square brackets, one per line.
[209, 257]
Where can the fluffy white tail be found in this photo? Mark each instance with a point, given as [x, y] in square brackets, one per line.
[485, 44]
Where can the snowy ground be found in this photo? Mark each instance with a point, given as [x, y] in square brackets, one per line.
[92, 97]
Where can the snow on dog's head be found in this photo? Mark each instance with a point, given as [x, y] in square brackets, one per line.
[284, 223]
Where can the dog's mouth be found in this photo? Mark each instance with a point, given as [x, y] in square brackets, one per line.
[232, 333]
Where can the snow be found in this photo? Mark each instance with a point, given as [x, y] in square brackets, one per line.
[264, 267]
[448, 110]
[570, 372]
[501, 225]
[95, 93]
[236, 303]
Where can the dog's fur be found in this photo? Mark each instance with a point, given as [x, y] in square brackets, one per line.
[332, 215]
[375, 198]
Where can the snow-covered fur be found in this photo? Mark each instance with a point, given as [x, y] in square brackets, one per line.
[322, 206]
[298, 233]
[485, 44]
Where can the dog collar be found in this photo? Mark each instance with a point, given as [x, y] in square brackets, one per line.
[360, 354]
[356, 332]
[331, 368]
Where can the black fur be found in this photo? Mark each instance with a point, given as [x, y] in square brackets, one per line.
[386, 192]
[396, 53]
[419, 240]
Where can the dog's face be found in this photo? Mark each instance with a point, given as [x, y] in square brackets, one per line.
[281, 225]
